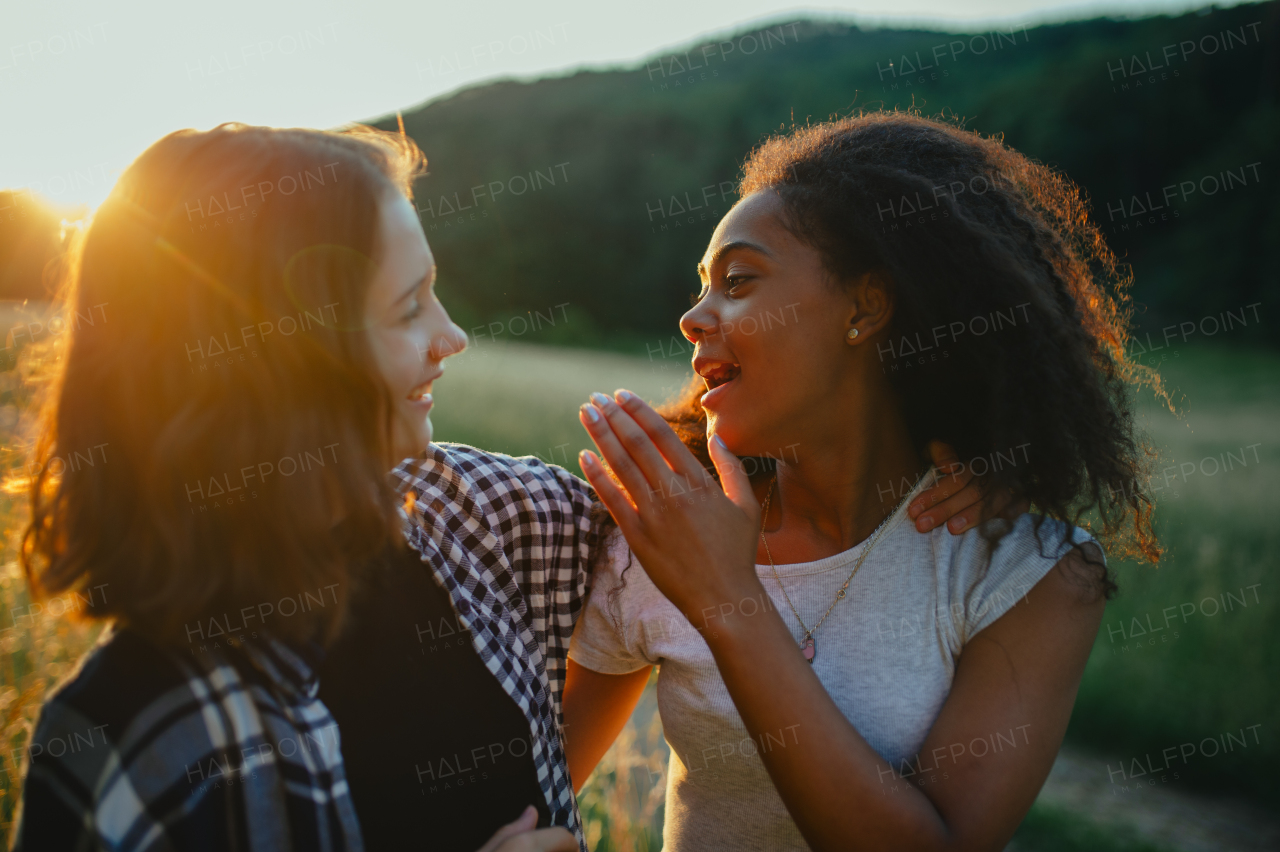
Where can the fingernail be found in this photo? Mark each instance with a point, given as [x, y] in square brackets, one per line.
[590, 410]
[584, 459]
[914, 509]
[625, 396]
[924, 523]
[600, 399]
[720, 441]
[955, 525]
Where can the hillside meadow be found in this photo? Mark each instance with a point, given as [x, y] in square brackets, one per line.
[1185, 655]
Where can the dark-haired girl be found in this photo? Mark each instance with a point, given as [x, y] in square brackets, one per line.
[829, 678]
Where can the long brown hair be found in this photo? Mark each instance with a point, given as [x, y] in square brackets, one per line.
[967, 228]
[214, 445]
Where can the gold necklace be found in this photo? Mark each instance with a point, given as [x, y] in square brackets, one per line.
[807, 645]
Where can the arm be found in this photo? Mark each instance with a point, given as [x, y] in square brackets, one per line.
[1018, 677]
[1020, 674]
[596, 706]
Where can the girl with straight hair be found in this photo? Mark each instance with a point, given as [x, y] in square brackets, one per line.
[270, 341]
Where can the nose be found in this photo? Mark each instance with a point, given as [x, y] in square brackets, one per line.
[698, 320]
[450, 340]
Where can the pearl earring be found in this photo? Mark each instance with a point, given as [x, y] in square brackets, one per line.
[853, 333]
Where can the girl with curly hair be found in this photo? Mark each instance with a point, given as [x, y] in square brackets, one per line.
[829, 678]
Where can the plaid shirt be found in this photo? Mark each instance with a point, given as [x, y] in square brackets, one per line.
[222, 749]
[510, 540]
[154, 750]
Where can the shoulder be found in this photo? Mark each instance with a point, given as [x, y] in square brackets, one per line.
[104, 716]
[621, 581]
[113, 685]
[1030, 541]
[992, 569]
[450, 472]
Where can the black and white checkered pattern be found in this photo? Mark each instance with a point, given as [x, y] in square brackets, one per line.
[510, 540]
[149, 749]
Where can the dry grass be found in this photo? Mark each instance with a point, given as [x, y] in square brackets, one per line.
[522, 399]
[516, 399]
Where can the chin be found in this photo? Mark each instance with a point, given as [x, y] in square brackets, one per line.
[410, 442]
[733, 438]
[741, 440]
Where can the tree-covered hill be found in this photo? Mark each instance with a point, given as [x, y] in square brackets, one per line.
[594, 194]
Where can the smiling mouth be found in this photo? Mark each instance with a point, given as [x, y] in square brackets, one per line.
[720, 374]
[422, 392]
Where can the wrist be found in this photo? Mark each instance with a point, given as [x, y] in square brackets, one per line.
[730, 606]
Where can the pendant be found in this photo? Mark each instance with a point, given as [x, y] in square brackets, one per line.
[808, 649]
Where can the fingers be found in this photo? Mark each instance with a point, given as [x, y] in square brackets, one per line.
[733, 478]
[613, 453]
[960, 511]
[660, 432]
[555, 840]
[960, 499]
[614, 498]
[522, 824]
[953, 476]
[542, 840]
[624, 444]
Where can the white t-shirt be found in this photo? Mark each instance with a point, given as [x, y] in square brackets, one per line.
[886, 654]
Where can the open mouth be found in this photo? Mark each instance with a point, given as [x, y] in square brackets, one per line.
[717, 375]
[422, 393]
[720, 374]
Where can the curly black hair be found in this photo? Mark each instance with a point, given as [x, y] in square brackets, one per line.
[1011, 315]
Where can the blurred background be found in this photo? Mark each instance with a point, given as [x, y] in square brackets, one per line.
[580, 158]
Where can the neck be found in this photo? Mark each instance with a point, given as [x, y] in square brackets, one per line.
[838, 488]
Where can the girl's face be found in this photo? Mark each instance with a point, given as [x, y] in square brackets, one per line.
[769, 329]
[410, 332]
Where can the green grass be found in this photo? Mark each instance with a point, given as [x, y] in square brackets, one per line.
[524, 400]
[1050, 829]
[1220, 532]
[1205, 671]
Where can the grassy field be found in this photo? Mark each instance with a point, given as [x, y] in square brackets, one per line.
[1210, 677]
[1189, 650]
[1206, 673]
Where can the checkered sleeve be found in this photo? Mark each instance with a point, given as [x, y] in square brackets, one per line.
[511, 541]
[542, 517]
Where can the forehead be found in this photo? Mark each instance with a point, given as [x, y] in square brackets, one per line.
[401, 232]
[755, 219]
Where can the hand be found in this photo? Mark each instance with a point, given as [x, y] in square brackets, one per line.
[697, 542]
[959, 498]
[521, 836]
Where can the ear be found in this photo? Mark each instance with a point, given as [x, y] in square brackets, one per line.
[871, 303]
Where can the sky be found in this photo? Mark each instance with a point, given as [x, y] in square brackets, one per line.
[86, 86]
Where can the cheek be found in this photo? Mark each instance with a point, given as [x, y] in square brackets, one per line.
[771, 353]
[790, 367]
[395, 354]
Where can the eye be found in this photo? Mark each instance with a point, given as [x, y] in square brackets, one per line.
[415, 308]
[734, 282]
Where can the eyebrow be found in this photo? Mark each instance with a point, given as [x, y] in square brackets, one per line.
[728, 247]
[413, 288]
